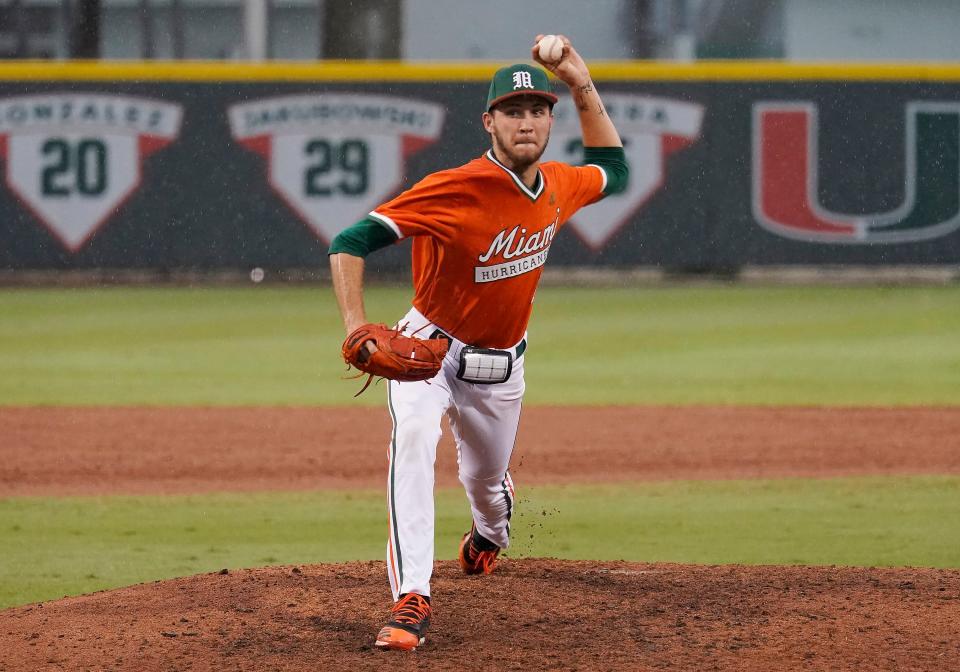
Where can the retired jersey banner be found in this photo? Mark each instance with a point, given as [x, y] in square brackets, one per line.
[334, 158]
[219, 174]
[73, 159]
[651, 130]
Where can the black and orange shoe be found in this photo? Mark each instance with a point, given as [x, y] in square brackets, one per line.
[477, 554]
[409, 620]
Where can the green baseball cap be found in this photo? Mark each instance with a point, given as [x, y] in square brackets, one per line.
[519, 80]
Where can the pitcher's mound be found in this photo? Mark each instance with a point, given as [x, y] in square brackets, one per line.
[529, 615]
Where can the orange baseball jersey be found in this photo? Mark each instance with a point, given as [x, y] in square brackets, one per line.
[480, 240]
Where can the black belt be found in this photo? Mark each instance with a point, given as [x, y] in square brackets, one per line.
[521, 348]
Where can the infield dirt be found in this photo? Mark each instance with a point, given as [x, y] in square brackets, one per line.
[87, 451]
[532, 614]
[529, 615]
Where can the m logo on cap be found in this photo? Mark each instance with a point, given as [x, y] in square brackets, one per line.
[521, 80]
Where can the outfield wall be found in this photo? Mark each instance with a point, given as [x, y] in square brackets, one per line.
[223, 166]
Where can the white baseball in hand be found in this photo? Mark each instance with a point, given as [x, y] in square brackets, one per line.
[550, 48]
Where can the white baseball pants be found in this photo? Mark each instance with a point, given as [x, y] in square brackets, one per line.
[484, 420]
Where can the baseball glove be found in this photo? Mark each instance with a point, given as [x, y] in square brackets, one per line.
[397, 357]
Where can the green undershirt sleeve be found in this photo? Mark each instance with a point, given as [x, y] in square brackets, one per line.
[613, 161]
[362, 238]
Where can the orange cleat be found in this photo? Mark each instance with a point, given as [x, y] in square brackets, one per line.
[477, 555]
[409, 620]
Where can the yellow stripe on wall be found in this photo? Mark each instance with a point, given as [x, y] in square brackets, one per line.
[394, 71]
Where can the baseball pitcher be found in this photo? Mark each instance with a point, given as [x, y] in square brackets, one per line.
[480, 234]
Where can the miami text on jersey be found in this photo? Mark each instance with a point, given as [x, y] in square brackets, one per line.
[531, 250]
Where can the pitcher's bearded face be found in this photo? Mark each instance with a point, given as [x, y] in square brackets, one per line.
[519, 129]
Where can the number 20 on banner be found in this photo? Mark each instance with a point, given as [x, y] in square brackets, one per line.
[73, 159]
[74, 167]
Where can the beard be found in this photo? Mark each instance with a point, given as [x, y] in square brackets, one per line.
[518, 157]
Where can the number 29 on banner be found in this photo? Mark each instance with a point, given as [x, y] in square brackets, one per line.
[334, 157]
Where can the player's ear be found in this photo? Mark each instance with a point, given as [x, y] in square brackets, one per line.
[487, 120]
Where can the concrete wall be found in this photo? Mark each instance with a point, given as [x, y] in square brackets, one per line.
[502, 29]
[498, 30]
[871, 30]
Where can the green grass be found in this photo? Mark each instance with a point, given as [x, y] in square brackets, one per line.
[648, 345]
[56, 547]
